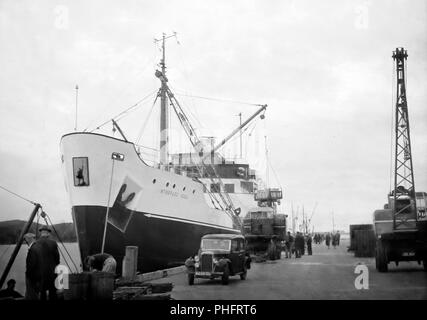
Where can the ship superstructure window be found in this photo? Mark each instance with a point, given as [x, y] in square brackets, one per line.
[247, 186]
[81, 171]
[229, 187]
[215, 188]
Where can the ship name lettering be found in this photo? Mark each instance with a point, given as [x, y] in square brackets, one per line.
[169, 193]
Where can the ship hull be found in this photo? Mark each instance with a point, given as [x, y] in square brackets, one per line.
[162, 242]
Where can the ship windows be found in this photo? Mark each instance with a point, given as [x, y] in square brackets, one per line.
[247, 186]
[229, 187]
[81, 171]
[183, 189]
[215, 188]
[194, 191]
[167, 184]
[154, 181]
[174, 186]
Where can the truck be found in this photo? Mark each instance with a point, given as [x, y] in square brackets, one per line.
[407, 242]
[263, 228]
[401, 226]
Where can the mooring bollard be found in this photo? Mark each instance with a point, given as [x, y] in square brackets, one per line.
[130, 263]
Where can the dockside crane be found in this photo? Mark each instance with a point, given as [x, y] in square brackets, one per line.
[400, 232]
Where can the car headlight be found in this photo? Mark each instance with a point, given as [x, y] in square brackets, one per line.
[196, 258]
[196, 264]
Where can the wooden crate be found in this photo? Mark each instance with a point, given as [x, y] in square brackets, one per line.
[364, 243]
[353, 228]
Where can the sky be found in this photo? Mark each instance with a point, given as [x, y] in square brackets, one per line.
[323, 67]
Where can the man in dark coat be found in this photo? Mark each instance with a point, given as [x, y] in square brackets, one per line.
[338, 238]
[289, 243]
[299, 245]
[328, 239]
[32, 272]
[48, 259]
[309, 248]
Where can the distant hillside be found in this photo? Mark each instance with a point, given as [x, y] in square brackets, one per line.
[10, 231]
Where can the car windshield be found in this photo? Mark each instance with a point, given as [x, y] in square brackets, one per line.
[216, 244]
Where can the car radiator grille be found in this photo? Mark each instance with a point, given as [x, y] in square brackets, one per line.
[206, 264]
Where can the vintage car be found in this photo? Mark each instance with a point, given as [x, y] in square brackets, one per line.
[219, 256]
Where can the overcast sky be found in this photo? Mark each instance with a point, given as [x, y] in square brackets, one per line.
[323, 67]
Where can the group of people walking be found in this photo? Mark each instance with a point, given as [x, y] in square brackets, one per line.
[296, 245]
[329, 238]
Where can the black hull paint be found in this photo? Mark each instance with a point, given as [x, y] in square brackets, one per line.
[162, 243]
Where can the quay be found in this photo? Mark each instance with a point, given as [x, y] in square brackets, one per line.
[327, 274]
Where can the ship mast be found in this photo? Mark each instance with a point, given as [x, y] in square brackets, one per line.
[164, 108]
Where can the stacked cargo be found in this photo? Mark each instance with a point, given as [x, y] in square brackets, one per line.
[364, 243]
[353, 229]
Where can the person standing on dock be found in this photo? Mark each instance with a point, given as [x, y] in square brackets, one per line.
[289, 244]
[328, 239]
[334, 240]
[299, 245]
[309, 248]
[48, 259]
[32, 274]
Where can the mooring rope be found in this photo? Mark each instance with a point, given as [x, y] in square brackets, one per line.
[4, 252]
[63, 245]
[17, 195]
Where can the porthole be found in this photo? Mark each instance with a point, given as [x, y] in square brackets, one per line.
[154, 181]
[167, 184]
[174, 186]
[183, 189]
[194, 191]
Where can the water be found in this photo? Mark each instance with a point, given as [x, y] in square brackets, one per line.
[17, 271]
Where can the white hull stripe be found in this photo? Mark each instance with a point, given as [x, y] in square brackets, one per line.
[159, 216]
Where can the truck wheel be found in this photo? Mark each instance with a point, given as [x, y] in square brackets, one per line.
[225, 275]
[381, 262]
[272, 251]
[190, 279]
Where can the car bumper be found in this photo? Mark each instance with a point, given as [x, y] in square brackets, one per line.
[208, 275]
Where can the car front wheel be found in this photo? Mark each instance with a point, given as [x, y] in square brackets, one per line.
[225, 275]
[244, 274]
[190, 279]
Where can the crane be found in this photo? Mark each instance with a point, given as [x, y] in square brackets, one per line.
[400, 234]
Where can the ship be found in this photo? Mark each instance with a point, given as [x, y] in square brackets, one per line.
[117, 199]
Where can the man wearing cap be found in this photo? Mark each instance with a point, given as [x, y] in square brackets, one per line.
[48, 259]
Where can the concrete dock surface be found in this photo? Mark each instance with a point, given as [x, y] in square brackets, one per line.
[327, 274]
